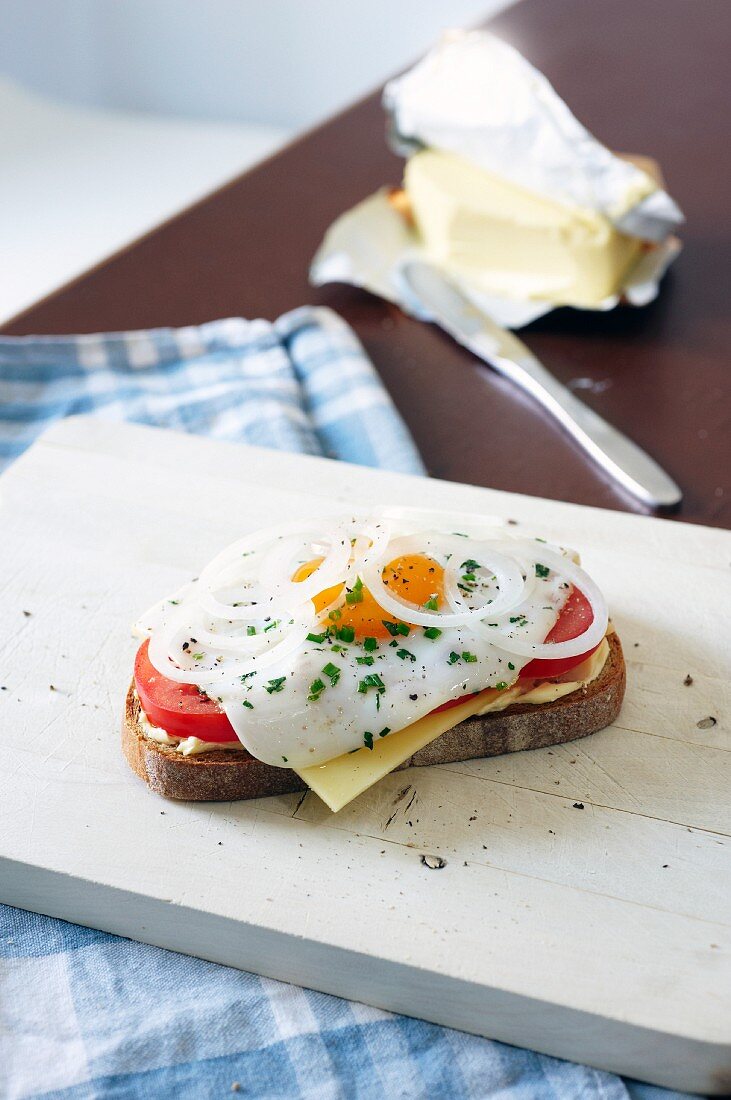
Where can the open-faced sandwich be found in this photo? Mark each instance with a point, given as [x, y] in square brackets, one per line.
[330, 652]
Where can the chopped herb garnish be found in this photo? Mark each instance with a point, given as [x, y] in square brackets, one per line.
[275, 685]
[246, 676]
[519, 619]
[368, 740]
[386, 730]
[404, 653]
[335, 615]
[319, 638]
[470, 658]
[453, 658]
[332, 672]
[284, 758]
[316, 689]
[501, 686]
[432, 604]
[369, 644]
[470, 566]
[372, 680]
[367, 660]
[174, 602]
[356, 593]
[272, 624]
[197, 656]
[511, 666]
[346, 634]
[542, 570]
[393, 644]
[432, 632]
[539, 540]
[396, 628]
[251, 631]
[247, 704]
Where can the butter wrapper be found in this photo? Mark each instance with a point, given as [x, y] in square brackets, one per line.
[476, 96]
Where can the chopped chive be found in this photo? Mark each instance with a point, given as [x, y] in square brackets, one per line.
[369, 644]
[247, 704]
[432, 604]
[368, 740]
[174, 602]
[511, 666]
[385, 731]
[453, 658]
[393, 643]
[432, 632]
[346, 634]
[471, 577]
[539, 540]
[335, 615]
[251, 631]
[275, 622]
[396, 628]
[501, 686]
[316, 689]
[356, 593]
[332, 672]
[404, 653]
[367, 660]
[470, 658]
[275, 685]
[369, 681]
[542, 570]
[197, 656]
[284, 758]
[319, 638]
[246, 676]
[470, 566]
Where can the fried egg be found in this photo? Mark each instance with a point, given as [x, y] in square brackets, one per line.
[321, 637]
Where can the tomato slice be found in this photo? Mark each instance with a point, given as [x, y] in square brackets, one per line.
[576, 617]
[179, 708]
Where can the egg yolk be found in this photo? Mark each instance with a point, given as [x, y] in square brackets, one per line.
[415, 578]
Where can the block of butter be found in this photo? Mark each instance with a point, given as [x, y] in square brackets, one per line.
[507, 240]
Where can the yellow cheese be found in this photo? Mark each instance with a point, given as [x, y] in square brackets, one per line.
[339, 781]
[510, 241]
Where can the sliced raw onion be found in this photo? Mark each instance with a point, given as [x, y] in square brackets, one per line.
[554, 651]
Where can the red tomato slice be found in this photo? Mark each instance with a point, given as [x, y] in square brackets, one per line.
[178, 708]
[576, 617]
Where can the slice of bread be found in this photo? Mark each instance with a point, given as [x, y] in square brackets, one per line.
[223, 776]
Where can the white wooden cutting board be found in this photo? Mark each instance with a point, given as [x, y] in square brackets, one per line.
[599, 934]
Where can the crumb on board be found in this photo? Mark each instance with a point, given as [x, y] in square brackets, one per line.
[578, 805]
[688, 680]
[707, 723]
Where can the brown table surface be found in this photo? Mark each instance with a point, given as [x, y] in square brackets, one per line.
[647, 77]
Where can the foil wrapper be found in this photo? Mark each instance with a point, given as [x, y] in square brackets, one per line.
[476, 96]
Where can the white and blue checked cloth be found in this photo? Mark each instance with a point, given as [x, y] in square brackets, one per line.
[84, 1014]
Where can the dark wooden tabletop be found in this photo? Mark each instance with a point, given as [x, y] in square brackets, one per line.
[646, 76]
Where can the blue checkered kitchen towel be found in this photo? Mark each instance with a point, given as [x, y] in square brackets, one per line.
[84, 1014]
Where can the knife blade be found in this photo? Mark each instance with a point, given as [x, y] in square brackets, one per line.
[622, 459]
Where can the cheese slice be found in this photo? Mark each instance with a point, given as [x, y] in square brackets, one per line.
[509, 241]
[339, 781]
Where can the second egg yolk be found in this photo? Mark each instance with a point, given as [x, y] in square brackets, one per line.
[414, 578]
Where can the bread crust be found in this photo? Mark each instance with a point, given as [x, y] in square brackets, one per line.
[228, 775]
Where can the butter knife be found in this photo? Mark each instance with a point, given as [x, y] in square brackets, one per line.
[627, 463]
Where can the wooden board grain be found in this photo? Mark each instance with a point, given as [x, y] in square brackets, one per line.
[599, 934]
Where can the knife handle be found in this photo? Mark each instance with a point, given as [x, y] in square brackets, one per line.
[619, 456]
